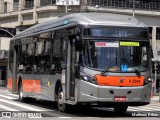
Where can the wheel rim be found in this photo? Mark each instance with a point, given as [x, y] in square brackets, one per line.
[21, 93]
[60, 98]
[61, 105]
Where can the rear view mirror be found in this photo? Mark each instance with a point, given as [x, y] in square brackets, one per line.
[144, 51]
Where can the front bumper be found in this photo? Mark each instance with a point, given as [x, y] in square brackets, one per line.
[90, 93]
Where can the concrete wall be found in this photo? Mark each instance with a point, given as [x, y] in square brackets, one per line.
[9, 5]
[11, 22]
[149, 20]
[27, 19]
[45, 16]
[4, 43]
[154, 22]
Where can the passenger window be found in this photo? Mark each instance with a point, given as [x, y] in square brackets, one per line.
[43, 54]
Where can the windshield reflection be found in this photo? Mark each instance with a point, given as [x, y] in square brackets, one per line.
[116, 56]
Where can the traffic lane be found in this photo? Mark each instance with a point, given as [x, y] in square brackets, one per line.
[77, 111]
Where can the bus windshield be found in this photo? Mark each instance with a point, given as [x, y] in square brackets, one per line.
[117, 56]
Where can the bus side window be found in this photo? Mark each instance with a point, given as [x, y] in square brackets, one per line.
[47, 55]
[30, 57]
[21, 57]
[38, 65]
[57, 50]
[64, 53]
[43, 53]
[11, 56]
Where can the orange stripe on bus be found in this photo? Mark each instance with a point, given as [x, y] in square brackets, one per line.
[120, 81]
[31, 86]
[9, 83]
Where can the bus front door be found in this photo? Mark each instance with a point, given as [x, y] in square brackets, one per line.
[70, 81]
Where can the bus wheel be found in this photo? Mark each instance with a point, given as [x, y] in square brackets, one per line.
[61, 105]
[120, 109]
[21, 98]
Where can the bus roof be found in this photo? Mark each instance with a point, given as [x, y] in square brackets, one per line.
[106, 19]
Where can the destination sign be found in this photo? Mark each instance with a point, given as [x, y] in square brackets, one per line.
[116, 32]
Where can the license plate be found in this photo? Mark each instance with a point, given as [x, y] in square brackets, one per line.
[120, 98]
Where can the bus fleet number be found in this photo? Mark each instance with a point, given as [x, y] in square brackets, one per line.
[134, 81]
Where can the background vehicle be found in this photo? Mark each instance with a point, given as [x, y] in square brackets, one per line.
[91, 58]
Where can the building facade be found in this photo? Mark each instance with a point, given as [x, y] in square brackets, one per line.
[21, 14]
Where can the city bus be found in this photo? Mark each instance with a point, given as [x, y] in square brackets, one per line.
[94, 59]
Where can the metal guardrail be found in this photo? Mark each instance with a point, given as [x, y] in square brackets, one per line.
[150, 5]
[47, 2]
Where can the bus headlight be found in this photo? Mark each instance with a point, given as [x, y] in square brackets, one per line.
[147, 80]
[89, 79]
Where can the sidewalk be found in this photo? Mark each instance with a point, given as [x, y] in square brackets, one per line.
[3, 88]
[155, 99]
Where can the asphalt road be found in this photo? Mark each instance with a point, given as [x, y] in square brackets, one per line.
[11, 107]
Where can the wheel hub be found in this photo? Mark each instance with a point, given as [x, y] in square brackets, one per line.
[60, 98]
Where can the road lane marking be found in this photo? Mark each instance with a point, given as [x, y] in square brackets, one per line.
[64, 117]
[7, 108]
[8, 97]
[3, 91]
[21, 105]
[107, 108]
[140, 108]
[151, 108]
[15, 95]
[137, 109]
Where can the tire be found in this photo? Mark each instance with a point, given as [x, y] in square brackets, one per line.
[20, 92]
[62, 107]
[120, 109]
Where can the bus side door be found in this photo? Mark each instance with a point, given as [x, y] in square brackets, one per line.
[70, 80]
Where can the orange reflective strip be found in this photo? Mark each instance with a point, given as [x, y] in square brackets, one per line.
[31, 86]
[37, 86]
[120, 80]
[9, 83]
[27, 85]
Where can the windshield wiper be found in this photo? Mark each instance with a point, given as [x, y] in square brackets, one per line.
[104, 70]
[137, 71]
[111, 69]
